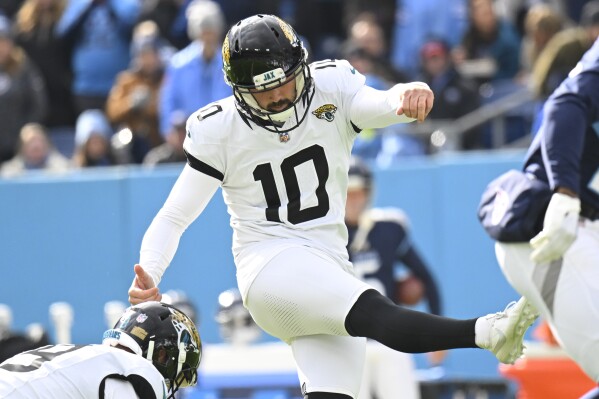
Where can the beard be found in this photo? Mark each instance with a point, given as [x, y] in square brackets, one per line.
[279, 106]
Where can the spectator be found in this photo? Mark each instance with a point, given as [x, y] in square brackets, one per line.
[455, 96]
[563, 52]
[35, 33]
[541, 24]
[164, 13]
[194, 78]
[10, 7]
[366, 37]
[98, 33]
[314, 20]
[382, 10]
[172, 149]
[133, 100]
[92, 135]
[35, 153]
[417, 20]
[22, 93]
[490, 47]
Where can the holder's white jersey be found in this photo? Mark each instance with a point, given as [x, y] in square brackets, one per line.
[282, 194]
[79, 372]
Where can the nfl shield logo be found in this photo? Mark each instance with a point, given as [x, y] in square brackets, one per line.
[141, 318]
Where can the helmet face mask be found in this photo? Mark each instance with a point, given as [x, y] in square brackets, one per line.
[262, 53]
[165, 336]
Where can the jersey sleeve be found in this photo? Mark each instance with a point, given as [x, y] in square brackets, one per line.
[340, 82]
[363, 106]
[373, 109]
[337, 76]
[204, 148]
[566, 115]
[188, 198]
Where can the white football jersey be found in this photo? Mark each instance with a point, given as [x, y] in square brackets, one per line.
[282, 194]
[76, 372]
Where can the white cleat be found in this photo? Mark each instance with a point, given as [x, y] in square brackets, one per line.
[508, 329]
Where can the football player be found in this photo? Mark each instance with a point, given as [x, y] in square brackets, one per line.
[153, 349]
[279, 148]
[378, 240]
[559, 270]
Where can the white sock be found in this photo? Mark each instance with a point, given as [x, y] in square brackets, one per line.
[482, 328]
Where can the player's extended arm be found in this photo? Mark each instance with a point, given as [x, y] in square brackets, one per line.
[565, 120]
[404, 102]
[188, 198]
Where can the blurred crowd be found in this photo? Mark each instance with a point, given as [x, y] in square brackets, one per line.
[88, 83]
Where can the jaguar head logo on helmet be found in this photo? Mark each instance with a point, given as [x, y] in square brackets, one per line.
[263, 53]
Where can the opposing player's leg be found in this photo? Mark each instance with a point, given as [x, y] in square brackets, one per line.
[566, 292]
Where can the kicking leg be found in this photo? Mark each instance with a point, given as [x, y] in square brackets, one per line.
[377, 317]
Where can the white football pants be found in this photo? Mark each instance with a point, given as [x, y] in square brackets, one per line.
[302, 296]
[565, 291]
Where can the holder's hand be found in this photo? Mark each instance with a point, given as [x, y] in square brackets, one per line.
[143, 288]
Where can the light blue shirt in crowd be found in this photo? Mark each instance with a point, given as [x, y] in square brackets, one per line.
[190, 83]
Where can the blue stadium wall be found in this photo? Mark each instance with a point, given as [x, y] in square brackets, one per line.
[75, 239]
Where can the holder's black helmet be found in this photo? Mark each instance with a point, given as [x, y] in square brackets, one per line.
[165, 336]
[261, 53]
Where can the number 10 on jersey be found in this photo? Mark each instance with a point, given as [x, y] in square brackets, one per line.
[295, 214]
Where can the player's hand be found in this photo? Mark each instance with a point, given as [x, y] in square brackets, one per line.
[559, 229]
[416, 101]
[143, 288]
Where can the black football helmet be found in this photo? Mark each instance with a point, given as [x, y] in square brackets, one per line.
[235, 321]
[180, 300]
[261, 53]
[359, 174]
[165, 336]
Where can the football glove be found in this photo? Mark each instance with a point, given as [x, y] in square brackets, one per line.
[559, 229]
